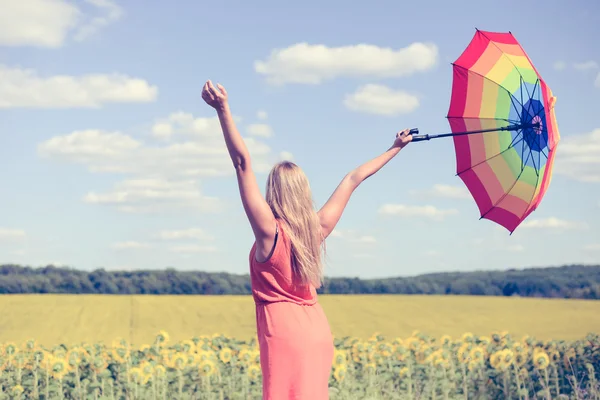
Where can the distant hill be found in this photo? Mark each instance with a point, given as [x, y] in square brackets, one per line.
[569, 281]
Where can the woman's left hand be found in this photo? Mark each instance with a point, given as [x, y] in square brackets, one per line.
[216, 98]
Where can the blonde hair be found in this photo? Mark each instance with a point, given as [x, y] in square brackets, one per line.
[290, 198]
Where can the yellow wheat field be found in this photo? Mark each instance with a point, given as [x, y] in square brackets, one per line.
[70, 319]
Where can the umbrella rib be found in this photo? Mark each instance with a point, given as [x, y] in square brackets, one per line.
[495, 83]
[504, 195]
[504, 53]
[511, 121]
[510, 146]
[531, 199]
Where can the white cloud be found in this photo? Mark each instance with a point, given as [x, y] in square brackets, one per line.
[191, 233]
[89, 146]
[43, 23]
[579, 157]
[286, 156]
[260, 130]
[314, 64]
[48, 23]
[381, 100]
[162, 130]
[130, 245]
[193, 248]
[262, 115]
[585, 66]
[551, 223]
[352, 236]
[154, 195]
[109, 13]
[26, 88]
[560, 65]
[426, 211]
[6, 233]
[157, 176]
[592, 247]
[445, 191]
[362, 255]
[515, 248]
[196, 150]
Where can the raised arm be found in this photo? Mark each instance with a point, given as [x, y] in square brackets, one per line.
[257, 210]
[332, 211]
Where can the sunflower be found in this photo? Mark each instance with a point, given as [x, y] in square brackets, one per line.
[508, 357]
[370, 368]
[339, 372]
[17, 390]
[120, 354]
[254, 372]
[385, 349]
[146, 367]
[496, 360]
[541, 360]
[484, 340]
[59, 367]
[10, 349]
[30, 345]
[475, 364]
[188, 346]
[446, 340]
[136, 375]
[518, 347]
[477, 353]
[206, 368]
[397, 342]
[413, 343]
[255, 356]
[403, 372]
[225, 355]
[467, 337]
[520, 359]
[463, 353]
[179, 361]
[76, 356]
[162, 337]
[245, 355]
[339, 357]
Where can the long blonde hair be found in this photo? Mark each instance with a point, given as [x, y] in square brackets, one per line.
[290, 198]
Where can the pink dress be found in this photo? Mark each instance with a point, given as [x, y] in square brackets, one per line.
[295, 341]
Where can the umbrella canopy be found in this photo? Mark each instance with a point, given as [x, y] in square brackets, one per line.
[497, 90]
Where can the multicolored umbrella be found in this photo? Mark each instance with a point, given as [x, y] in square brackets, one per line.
[504, 128]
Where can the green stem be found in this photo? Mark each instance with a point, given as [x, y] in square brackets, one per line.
[47, 388]
[78, 381]
[518, 380]
[464, 380]
[180, 374]
[95, 389]
[547, 383]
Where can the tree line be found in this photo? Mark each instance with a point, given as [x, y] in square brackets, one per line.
[569, 281]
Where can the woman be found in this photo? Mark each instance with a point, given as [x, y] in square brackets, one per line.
[295, 341]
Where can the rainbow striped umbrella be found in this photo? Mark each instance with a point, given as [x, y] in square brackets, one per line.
[503, 126]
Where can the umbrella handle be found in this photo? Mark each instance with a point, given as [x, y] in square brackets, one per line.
[415, 131]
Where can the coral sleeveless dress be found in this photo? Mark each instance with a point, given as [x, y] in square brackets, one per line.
[295, 340]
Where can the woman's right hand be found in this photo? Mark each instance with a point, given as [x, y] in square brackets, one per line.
[402, 139]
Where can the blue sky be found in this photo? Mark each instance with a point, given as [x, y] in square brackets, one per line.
[111, 158]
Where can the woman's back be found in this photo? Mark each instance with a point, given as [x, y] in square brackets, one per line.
[273, 279]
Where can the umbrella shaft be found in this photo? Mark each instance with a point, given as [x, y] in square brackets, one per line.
[440, 135]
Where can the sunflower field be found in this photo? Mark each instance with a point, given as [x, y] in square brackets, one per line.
[219, 367]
